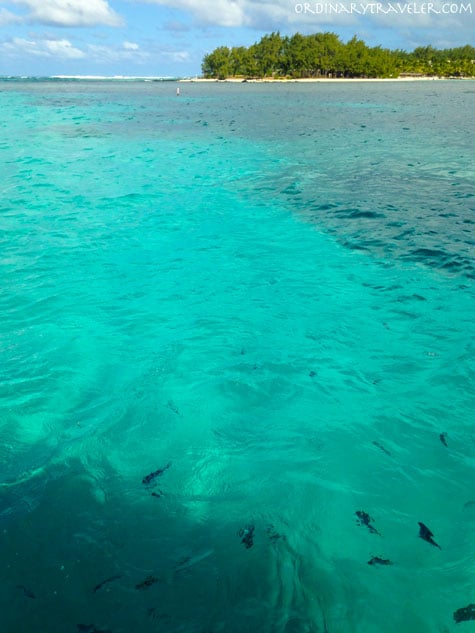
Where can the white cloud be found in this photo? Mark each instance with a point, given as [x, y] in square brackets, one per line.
[58, 49]
[177, 56]
[7, 17]
[219, 12]
[70, 12]
[292, 15]
[260, 14]
[110, 54]
[63, 49]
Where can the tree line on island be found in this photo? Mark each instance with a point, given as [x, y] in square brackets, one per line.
[325, 55]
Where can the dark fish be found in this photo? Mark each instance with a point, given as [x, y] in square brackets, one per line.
[273, 535]
[104, 582]
[148, 582]
[157, 494]
[312, 374]
[247, 535]
[26, 592]
[426, 535]
[376, 560]
[464, 614]
[365, 519]
[385, 450]
[443, 438]
[156, 473]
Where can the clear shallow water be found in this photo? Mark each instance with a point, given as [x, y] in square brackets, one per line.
[245, 283]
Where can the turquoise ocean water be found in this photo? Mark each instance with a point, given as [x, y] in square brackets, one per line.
[264, 295]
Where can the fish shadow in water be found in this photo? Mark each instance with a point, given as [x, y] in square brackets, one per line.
[465, 614]
[147, 582]
[247, 535]
[378, 560]
[91, 628]
[426, 535]
[151, 477]
[365, 519]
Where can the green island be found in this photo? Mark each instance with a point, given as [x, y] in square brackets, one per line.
[324, 55]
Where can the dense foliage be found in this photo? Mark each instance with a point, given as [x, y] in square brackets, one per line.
[325, 55]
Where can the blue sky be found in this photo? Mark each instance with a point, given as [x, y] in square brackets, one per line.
[170, 37]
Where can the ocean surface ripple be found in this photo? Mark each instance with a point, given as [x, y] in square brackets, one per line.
[237, 357]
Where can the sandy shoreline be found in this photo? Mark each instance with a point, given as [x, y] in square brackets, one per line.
[316, 80]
